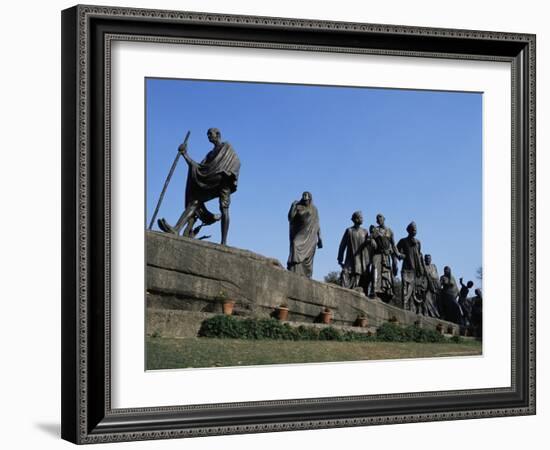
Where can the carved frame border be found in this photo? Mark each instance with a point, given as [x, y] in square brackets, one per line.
[87, 416]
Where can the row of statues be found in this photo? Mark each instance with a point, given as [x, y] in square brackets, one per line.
[369, 262]
[368, 258]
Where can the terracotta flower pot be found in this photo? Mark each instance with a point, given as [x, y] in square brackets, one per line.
[326, 317]
[282, 313]
[228, 307]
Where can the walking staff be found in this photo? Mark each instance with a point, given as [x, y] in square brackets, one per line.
[167, 182]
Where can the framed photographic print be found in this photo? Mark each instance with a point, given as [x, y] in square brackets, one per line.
[282, 224]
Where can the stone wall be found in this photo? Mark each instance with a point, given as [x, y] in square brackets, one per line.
[188, 275]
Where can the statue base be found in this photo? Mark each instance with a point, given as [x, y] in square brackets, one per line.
[190, 275]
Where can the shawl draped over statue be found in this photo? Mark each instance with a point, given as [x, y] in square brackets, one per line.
[410, 248]
[354, 246]
[304, 230]
[218, 170]
[432, 293]
[451, 310]
[383, 261]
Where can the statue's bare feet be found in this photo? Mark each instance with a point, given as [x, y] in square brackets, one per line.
[166, 227]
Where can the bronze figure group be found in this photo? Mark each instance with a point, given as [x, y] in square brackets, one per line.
[369, 262]
[368, 258]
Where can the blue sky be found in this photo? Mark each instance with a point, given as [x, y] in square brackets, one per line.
[411, 155]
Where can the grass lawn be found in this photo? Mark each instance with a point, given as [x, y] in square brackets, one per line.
[166, 353]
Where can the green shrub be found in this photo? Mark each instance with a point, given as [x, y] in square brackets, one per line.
[233, 328]
[417, 334]
[221, 327]
[330, 334]
[350, 336]
[433, 336]
[303, 333]
[456, 339]
[390, 332]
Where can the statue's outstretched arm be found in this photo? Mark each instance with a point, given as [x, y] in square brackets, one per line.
[183, 151]
[396, 252]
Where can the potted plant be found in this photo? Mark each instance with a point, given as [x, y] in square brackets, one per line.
[282, 312]
[450, 330]
[361, 320]
[393, 319]
[326, 316]
[439, 328]
[227, 305]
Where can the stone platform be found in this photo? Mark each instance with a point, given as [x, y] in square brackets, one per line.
[188, 275]
[170, 323]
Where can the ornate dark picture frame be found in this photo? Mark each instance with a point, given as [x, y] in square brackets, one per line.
[87, 33]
